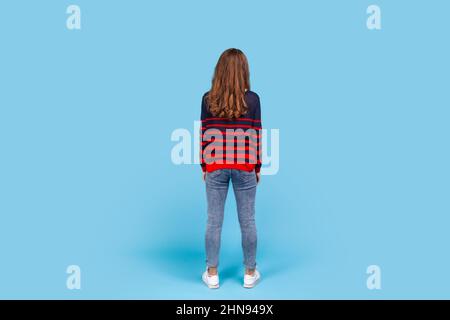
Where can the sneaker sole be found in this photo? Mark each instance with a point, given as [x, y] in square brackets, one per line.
[249, 286]
[210, 285]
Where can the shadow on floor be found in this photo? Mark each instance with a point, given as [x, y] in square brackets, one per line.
[187, 262]
[182, 262]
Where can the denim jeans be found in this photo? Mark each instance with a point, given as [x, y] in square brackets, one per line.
[244, 186]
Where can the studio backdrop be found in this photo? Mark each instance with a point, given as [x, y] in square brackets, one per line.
[101, 193]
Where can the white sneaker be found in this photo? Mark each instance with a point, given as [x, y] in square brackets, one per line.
[212, 281]
[251, 280]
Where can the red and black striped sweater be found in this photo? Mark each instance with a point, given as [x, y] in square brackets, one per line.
[232, 143]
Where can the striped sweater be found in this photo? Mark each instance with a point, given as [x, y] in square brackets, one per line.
[231, 144]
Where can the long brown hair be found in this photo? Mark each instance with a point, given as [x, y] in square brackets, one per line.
[230, 81]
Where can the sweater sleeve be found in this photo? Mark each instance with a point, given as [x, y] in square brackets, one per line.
[202, 146]
[257, 119]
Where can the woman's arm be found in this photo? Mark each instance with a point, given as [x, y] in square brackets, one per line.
[202, 147]
[257, 119]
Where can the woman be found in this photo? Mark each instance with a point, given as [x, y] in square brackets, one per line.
[230, 145]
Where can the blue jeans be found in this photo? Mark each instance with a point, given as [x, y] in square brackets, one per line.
[244, 186]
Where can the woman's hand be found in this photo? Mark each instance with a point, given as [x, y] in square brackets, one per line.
[204, 175]
[258, 176]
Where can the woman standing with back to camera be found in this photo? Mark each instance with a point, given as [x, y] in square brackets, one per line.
[230, 145]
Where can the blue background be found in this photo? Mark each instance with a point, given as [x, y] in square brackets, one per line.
[86, 176]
